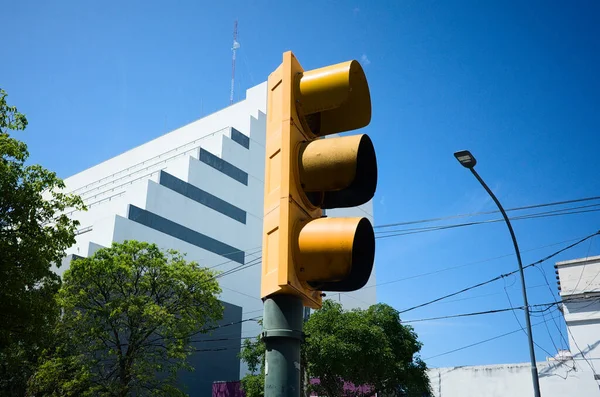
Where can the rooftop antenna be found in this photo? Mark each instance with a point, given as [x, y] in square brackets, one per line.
[234, 48]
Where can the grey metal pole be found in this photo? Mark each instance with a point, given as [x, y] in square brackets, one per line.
[534, 372]
[282, 333]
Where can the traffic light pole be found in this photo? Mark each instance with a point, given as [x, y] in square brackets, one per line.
[282, 334]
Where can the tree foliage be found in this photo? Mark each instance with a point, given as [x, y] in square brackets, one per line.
[369, 348]
[129, 312]
[253, 354]
[365, 347]
[34, 233]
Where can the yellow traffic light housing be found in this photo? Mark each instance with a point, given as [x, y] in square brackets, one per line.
[303, 252]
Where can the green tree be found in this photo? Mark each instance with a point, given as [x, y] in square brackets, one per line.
[129, 312]
[253, 354]
[34, 234]
[364, 347]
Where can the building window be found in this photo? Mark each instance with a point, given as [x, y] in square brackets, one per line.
[223, 166]
[194, 193]
[183, 233]
[240, 138]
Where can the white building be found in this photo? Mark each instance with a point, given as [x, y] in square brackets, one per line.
[570, 373]
[579, 286]
[198, 189]
[557, 379]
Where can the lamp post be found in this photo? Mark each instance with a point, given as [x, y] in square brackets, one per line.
[467, 160]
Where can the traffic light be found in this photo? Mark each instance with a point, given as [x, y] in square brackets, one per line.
[305, 253]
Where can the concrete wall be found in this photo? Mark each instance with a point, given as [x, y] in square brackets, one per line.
[579, 276]
[579, 287]
[557, 379]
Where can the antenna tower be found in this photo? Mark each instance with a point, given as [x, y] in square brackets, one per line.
[234, 48]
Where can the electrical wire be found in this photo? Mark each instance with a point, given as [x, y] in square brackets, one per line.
[501, 276]
[549, 333]
[562, 211]
[462, 315]
[543, 272]
[511, 308]
[584, 264]
[486, 295]
[521, 325]
[255, 251]
[222, 339]
[583, 355]
[243, 266]
[550, 304]
[204, 330]
[464, 265]
[523, 329]
[511, 305]
[477, 343]
[404, 232]
[488, 212]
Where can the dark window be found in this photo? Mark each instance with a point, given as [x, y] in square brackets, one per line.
[240, 138]
[223, 166]
[183, 233]
[202, 197]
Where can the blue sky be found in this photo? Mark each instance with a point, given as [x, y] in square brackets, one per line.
[514, 82]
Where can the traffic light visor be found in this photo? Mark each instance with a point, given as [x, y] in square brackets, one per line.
[344, 169]
[336, 254]
[335, 98]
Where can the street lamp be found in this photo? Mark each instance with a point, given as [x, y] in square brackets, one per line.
[467, 160]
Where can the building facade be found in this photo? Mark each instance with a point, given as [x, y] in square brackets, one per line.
[575, 372]
[557, 379]
[579, 289]
[198, 189]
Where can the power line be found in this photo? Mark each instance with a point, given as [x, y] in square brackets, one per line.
[255, 251]
[477, 343]
[463, 265]
[488, 212]
[550, 304]
[457, 292]
[240, 267]
[222, 339]
[562, 211]
[224, 325]
[498, 277]
[484, 295]
[582, 354]
[523, 329]
[404, 232]
[461, 315]
[584, 264]
[242, 293]
[403, 322]
[541, 270]
[513, 312]
[493, 311]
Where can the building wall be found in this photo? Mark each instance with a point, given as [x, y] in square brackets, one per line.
[579, 287]
[217, 359]
[557, 379]
[198, 189]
